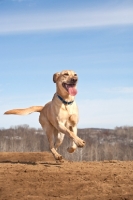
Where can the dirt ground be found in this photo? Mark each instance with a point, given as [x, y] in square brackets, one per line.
[36, 176]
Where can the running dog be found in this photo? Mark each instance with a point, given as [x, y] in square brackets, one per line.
[59, 117]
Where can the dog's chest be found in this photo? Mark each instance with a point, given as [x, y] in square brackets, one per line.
[66, 111]
[70, 109]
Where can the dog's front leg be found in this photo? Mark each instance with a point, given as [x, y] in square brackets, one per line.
[72, 146]
[78, 141]
[59, 137]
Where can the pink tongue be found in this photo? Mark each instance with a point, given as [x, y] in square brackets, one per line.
[72, 91]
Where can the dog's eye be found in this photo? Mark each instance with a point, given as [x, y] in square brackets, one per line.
[75, 74]
[66, 74]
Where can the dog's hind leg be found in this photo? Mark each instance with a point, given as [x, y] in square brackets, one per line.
[50, 132]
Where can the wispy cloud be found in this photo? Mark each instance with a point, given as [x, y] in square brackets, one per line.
[1, 89]
[106, 113]
[120, 90]
[64, 20]
[19, 0]
[100, 113]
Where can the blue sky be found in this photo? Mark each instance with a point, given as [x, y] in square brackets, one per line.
[94, 38]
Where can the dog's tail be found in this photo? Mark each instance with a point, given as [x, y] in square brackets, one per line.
[25, 111]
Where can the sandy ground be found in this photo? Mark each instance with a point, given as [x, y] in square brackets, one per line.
[29, 176]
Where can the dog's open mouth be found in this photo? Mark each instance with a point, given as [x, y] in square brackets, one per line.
[70, 88]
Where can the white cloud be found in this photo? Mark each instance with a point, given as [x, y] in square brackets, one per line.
[19, 0]
[106, 113]
[14, 120]
[93, 113]
[64, 20]
[1, 89]
[120, 90]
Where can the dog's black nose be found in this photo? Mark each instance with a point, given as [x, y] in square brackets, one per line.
[73, 80]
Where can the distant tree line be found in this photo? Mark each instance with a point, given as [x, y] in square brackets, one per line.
[101, 144]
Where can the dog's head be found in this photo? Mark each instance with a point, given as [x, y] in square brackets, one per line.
[66, 82]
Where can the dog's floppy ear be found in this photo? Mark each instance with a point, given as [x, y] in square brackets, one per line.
[55, 77]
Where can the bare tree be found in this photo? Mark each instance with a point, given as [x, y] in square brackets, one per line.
[101, 144]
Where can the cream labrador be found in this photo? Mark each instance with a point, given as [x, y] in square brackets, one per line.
[59, 117]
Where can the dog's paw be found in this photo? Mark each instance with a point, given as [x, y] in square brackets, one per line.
[70, 149]
[79, 142]
[59, 162]
[58, 157]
